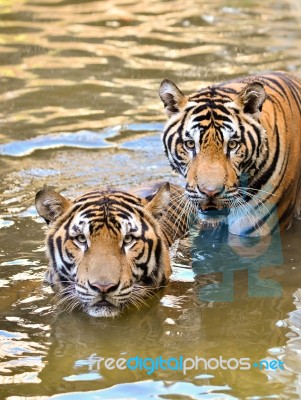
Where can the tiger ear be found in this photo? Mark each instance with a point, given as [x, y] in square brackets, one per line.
[51, 205]
[172, 97]
[251, 98]
[157, 205]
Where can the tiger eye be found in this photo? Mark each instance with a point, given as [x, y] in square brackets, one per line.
[232, 144]
[81, 238]
[128, 239]
[189, 144]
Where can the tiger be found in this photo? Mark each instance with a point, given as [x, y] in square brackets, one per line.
[108, 249]
[237, 144]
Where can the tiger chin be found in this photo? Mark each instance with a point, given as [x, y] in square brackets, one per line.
[106, 249]
[238, 146]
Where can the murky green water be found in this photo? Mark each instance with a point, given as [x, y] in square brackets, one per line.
[79, 109]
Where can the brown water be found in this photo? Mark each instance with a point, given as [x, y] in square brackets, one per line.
[79, 109]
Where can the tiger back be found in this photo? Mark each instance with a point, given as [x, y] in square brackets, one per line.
[238, 145]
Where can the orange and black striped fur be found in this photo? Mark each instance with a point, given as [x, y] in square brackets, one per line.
[238, 144]
[108, 249]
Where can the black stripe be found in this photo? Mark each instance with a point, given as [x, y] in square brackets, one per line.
[50, 245]
[269, 172]
[261, 222]
[58, 243]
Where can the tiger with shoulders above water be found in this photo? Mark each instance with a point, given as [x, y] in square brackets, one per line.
[238, 145]
[109, 249]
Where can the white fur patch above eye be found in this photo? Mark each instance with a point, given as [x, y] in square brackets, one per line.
[78, 226]
[125, 227]
[229, 130]
[194, 134]
[228, 133]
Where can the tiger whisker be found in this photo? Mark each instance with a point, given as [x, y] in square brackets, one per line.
[257, 190]
[258, 201]
[248, 214]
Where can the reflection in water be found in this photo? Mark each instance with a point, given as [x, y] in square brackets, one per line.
[86, 74]
[161, 331]
[218, 251]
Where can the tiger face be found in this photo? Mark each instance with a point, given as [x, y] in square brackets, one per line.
[105, 249]
[232, 143]
[207, 139]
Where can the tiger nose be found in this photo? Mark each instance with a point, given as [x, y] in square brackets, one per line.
[102, 287]
[212, 191]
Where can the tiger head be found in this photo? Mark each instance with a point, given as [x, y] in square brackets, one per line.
[106, 249]
[215, 140]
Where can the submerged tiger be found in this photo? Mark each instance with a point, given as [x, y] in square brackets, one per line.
[108, 249]
[238, 145]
